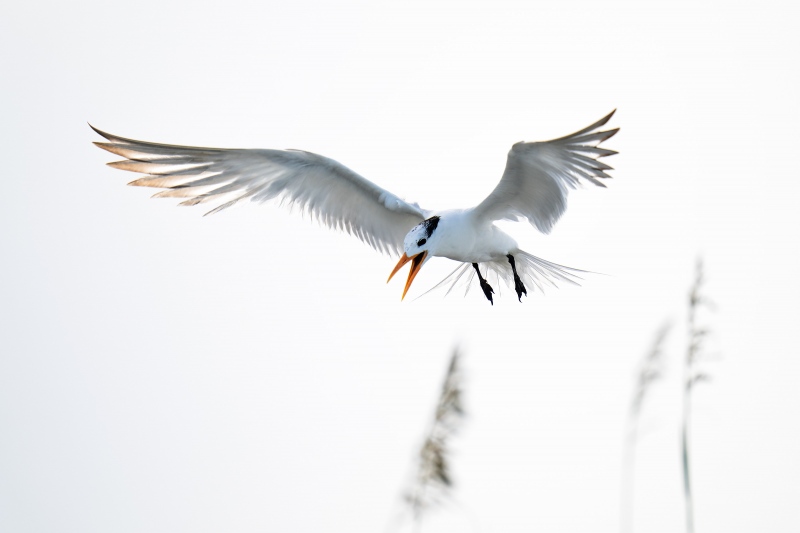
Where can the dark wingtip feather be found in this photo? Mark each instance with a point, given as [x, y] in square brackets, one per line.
[108, 147]
[580, 135]
[101, 133]
[603, 120]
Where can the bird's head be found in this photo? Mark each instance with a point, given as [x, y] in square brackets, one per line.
[416, 246]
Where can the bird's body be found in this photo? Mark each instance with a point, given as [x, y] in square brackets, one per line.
[463, 236]
[534, 186]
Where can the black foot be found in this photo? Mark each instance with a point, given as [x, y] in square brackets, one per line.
[487, 289]
[518, 286]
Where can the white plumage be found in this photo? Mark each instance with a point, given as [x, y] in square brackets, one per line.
[534, 187]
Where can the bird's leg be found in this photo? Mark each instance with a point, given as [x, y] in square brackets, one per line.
[487, 289]
[518, 286]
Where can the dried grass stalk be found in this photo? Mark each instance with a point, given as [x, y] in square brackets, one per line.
[691, 377]
[433, 481]
[651, 369]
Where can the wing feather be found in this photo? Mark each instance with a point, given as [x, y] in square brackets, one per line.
[538, 176]
[316, 185]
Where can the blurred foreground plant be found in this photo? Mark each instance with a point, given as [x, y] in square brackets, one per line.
[651, 369]
[432, 481]
[692, 376]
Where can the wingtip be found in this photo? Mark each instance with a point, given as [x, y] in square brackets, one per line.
[99, 131]
[108, 147]
[606, 118]
[108, 136]
[588, 133]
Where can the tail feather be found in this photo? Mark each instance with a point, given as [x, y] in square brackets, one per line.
[534, 272]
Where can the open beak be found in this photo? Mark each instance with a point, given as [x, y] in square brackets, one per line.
[416, 265]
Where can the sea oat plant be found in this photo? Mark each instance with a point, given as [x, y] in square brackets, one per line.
[691, 377]
[432, 481]
[651, 369]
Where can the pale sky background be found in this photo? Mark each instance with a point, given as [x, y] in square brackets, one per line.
[252, 371]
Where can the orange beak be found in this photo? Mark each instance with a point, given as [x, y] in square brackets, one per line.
[416, 266]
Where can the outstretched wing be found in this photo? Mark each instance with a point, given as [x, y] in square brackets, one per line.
[322, 187]
[538, 176]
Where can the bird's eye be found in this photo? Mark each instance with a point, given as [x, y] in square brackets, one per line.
[421, 242]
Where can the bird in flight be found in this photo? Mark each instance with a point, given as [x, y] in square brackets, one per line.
[534, 187]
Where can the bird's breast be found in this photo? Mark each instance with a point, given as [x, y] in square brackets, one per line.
[461, 239]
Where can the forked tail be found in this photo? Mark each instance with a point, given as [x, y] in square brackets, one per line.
[535, 273]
